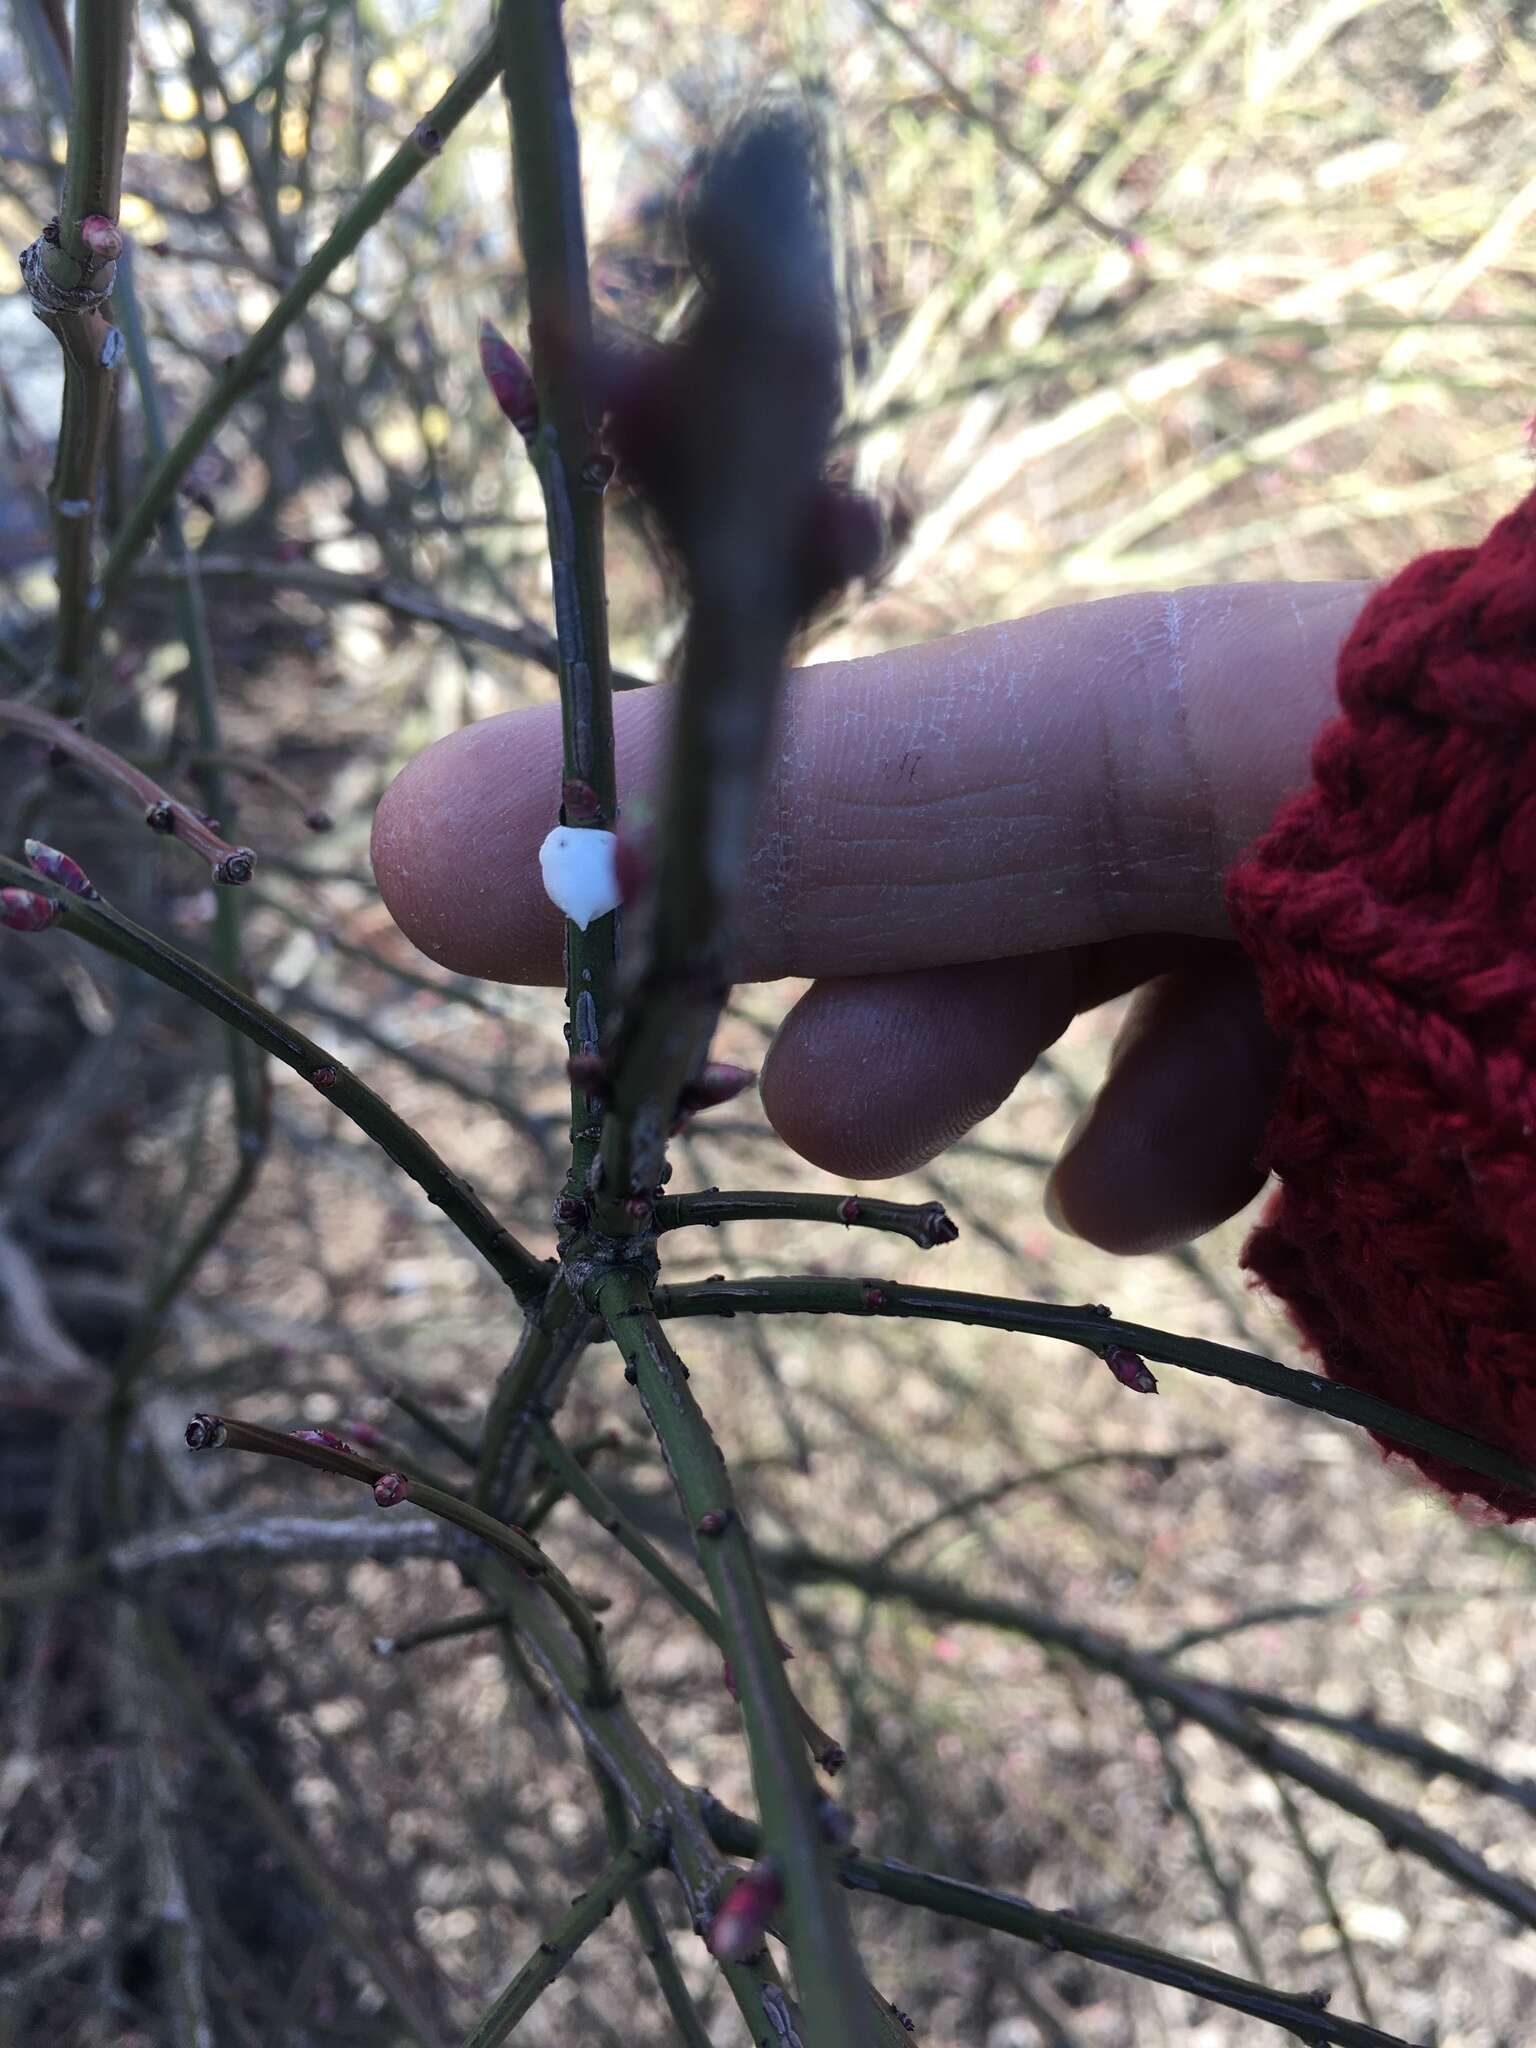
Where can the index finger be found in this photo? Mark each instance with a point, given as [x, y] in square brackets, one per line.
[1081, 775]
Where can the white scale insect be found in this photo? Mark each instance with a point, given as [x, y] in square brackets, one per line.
[579, 873]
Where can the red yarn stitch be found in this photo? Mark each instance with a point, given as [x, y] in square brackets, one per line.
[1391, 911]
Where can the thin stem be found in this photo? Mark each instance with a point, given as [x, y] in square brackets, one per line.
[1192, 1699]
[582, 1487]
[820, 1940]
[239, 376]
[1097, 1330]
[524, 638]
[162, 811]
[228, 1432]
[439, 1632]
[925, 1223]
[654, 1944]
[547, 176]
[620, 1749]
[1299, 2013]
[102, 926]
[624, 1875]
[68, 281]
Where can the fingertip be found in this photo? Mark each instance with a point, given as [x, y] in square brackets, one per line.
[455, 848]
[873, 1076]
[1170, 1146]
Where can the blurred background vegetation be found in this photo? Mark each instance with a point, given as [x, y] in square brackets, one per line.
[1134, 295]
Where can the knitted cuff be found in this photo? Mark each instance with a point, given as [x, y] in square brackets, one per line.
[1391, 913]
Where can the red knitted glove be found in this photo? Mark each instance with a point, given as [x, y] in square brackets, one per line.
[1391, 912]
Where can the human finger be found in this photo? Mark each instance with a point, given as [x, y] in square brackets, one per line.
[1055, 781]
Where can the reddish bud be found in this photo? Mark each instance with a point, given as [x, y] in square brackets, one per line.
[637, 1206]
[572, 1211]
[390, 1488]
[588, 1072]
[631, 868]
[873, 1297]
[740, 1925]
[715, 1082]
[1130, 1369]
[510, 379]
[850, 1209]
[322, 1077]
[205, 1433]
[579, 802]
[713, 1523]
[23, 910]
[327, 1440]
[103, 237]
[54, 866]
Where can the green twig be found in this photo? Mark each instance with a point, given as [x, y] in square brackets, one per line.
[582, 1487]
[624, 1874]
[68, 272]
[820, 1941]
[102, 926]
[654, 1944]
[572, 468]
[925, 1223]
[228, 1432]
[1097, 1331]
[1302, 2014]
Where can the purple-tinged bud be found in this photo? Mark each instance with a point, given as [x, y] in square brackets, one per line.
[571, 1211]
[579, 801]
[322, 1077]
[390, 1488]
[54, 866]
[850, 1209]
[715, 1082]
[510, 379]
[712, 1523]
[327, 1439]
[319, 821]
[427, 139]
[103, 237]
[1130, 1369]
[637, 1207]
[873, 1297]
[205, 1433]
[740, 1926]
[589, 1073]
[23, 910]
[632, 867]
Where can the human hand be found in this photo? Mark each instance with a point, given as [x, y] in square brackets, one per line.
[963, 845]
